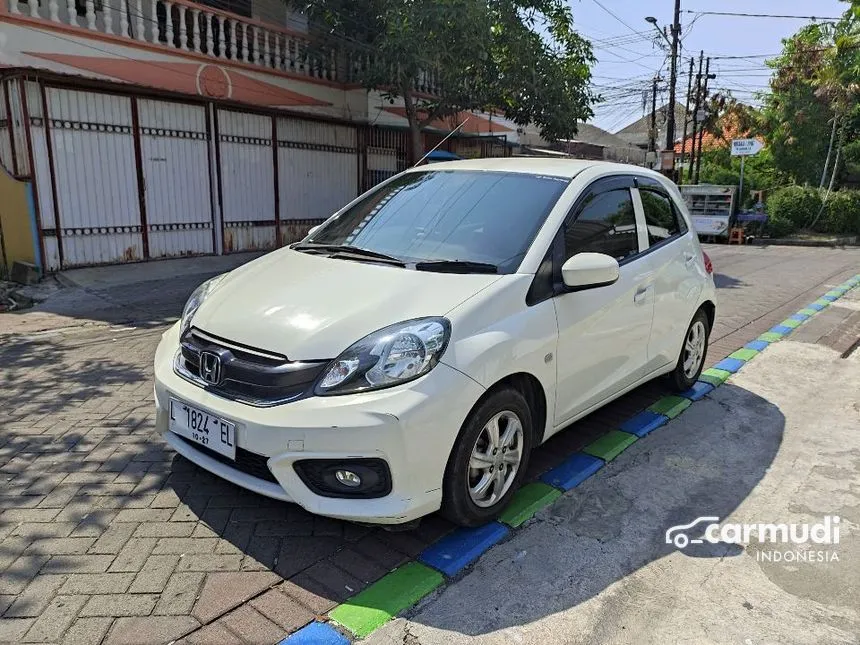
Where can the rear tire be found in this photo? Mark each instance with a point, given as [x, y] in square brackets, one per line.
[489, 459]
[694, 350]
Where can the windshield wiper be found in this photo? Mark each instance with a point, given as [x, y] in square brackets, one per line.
[350, 250]
[456, 266]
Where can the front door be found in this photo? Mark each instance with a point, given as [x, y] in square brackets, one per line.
[603, 332]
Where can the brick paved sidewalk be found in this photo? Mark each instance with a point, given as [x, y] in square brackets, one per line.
[106, 536]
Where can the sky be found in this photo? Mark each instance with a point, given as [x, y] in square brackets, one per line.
[628, 57]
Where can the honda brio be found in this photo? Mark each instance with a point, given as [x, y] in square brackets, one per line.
[410, 353]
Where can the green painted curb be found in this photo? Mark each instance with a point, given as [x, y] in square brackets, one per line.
[610, 445]
[834, 293]
[807, 312]
[527, 501]
[770, 337]
[714, 376]
[745, 354]
[670, 406]
[385, 598]
[794, 324]
[822, 302]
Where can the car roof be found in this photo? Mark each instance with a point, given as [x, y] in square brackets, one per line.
[567, 168]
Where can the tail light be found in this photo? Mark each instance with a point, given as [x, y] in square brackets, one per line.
[709, 266]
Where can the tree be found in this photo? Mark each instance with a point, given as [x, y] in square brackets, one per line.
[518, 57]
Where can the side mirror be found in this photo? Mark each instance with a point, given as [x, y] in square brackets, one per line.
[589, 270]
[313, 230]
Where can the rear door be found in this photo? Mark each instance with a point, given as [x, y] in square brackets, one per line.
[604, 331]
[674, 259]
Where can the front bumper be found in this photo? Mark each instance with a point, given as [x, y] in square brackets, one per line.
[412, 427]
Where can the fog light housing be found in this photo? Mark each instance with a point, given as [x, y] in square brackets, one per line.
[345, 478]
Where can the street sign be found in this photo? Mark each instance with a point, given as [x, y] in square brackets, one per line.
[746, 147]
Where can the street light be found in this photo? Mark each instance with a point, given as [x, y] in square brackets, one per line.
[653, 21]
[673, 48]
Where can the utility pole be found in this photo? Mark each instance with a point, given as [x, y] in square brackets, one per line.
[687, 115]
[702, 129]
[652, 139]
[696, 116]
[673, 78]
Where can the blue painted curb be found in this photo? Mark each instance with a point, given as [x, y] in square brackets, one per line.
[732, 364]
[830, 298]
[799, 317]
[316, 634]
[572, 471]
[816, 306]
[781, 329]
[643, 423]
[698, 391]
[758, 345]
[461, 548]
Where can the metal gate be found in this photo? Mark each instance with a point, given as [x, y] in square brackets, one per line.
[91, 152]
[386, 155]
[174, 142]
[317, 172]
[247, 180]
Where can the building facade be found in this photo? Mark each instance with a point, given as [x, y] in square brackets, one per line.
[133, 130]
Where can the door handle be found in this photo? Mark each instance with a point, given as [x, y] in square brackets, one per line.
[640, 294]
[688, 258]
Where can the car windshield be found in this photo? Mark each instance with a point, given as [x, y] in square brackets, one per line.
[449, 216]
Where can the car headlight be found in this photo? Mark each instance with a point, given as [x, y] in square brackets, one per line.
[195, 300]
[393, 355]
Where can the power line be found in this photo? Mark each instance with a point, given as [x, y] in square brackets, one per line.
[614, 15]
[755, 15]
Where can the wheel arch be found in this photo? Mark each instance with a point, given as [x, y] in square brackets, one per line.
[530, 387]
[710, 310]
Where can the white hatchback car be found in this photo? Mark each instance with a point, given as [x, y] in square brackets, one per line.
[412, 350]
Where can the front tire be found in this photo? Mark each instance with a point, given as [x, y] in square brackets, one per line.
[489, 459]
[693, 353]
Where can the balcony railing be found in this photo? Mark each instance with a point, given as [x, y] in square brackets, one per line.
[187, 26]
[190, 27]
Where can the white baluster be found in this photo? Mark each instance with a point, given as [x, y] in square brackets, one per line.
[183, 28]
[168, 10]
[231, 41]
[140, 27]
[256, 43]
[91, 15]
[54, 9]
[195, 16]
[277, 51]
[70, 7]
[108, 18]
[34, 8]
[245, 56]
[123, 19]
[210, 40]
[267, 60]
[13, 7]
[306, 60]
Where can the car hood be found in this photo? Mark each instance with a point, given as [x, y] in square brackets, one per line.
[310, 307]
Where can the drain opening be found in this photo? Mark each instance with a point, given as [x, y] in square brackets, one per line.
[851, 349]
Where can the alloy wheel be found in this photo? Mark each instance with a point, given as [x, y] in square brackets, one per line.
[496, 458]
[694, 349]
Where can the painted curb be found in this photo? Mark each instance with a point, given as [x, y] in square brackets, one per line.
[459, 549]
[610, 445]
[385, 598]
[316, 633]
[572, 471]
[645, 422]
[405, 586]
[527, 501]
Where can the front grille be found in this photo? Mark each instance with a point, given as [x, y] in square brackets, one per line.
[247, 374]
[247, 462]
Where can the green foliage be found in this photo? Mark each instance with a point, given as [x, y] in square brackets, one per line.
[779, 228]
[760, 172]
[794, 204]
[843, 212]
[521, 57]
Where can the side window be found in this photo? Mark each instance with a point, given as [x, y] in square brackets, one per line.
[661, 217]
[606, 223]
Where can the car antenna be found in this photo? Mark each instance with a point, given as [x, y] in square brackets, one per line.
[448, 136]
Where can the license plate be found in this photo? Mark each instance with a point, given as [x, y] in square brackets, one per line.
[203, 428]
